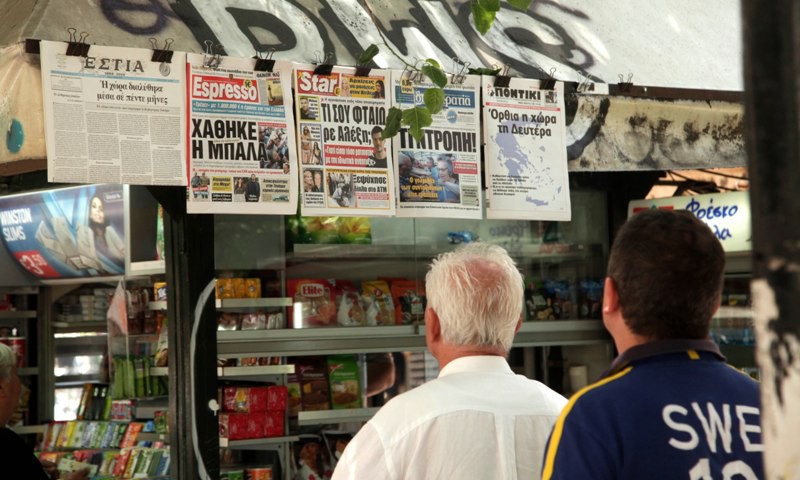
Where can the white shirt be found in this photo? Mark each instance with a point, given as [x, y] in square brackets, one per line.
[477, 420]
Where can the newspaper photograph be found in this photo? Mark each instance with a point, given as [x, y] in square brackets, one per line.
[439, 176]
[113, 116]
[241, 152]
[345, 164]
[526, 152]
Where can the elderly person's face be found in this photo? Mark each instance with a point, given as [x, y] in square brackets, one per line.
[443, 169]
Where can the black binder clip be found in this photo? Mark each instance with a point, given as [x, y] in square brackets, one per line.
[625, 86]
[77, 46]
[363, 70]
[161, 55]
[323, 67]
[502, 79]
[265, 63]
[461, 69]
[32, 45]
[550, 82]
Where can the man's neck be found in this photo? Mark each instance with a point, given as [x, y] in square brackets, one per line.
[448, 353]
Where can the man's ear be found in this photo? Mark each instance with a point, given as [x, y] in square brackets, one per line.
[610, 297]
[433, 329]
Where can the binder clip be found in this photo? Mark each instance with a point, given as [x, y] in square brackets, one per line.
[461, 69]
[323, 68]
[161, 55]
[409, 73]
[265, 63]
[502, 79]
[550, 82]
[625, 86]
[32, 45]
[77, 46]
[210, 59]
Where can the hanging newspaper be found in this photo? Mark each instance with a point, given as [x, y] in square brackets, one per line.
[345, 164]
[439, 176]
[113, 116]
[526, 152]
[241, 146]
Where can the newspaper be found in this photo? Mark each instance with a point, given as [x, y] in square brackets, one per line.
[113, 116]
[345, 165]
[439, 176]
[526, 152]
[241, 140]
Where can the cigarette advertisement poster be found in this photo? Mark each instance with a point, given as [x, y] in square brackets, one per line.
[526, 153]
[439, 175]
[241, 142]
[66, 233]
[113, 116]
[345, 165]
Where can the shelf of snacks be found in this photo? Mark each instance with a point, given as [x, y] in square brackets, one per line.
[80, 327]
[255, 373]
[327, 417]
[159, 305]
[544, 252]
[159, 371]
[257, 443]
[561, 332]
[257, 414]
[17, 314]
[246, 304]
[29, 429]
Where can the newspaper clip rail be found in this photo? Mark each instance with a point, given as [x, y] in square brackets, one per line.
[265, 63]
[550, 82]
[77, 46]
[623, 85]
[323, 67]
[161, 55]
[502, 79]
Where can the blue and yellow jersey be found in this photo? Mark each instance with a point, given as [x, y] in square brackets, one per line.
[667, 410]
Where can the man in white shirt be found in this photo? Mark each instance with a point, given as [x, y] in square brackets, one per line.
[478, 419]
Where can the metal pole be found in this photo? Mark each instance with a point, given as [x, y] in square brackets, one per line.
[772, 81]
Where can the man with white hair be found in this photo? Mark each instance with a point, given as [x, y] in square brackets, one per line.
[16, 456]
[478, 419]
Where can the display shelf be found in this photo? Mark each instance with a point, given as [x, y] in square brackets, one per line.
[77, 327]
[315, 252]
[27, 371]
[29, 429]
[151, 437]
[734, 312]
[159, 371]
[327, 417]
[158, 305]
[332, 340]
[257, 443]
[239, 304]
[259, 373]
[19, 290]
[145, 408]
[17, 314]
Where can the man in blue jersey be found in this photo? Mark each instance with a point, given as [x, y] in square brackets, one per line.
[669, 406]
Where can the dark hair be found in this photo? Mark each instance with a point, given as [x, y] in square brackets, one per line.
[376, 129]
[668, 269]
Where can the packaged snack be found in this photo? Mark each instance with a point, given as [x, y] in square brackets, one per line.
[275, 321]
[409, 302]
[344, 378]
[159, 291]
[349, 310]
[335, 443]
[259, 473]
[248, 362]
[252, 287]
[245, 399]
[241, 426]
[537, 305]
[224, 288]
[277, 398]
[273, 423]
[228, 321]
[317, 301]
[239, 288]
[254, 321]
[590, 298]
[310, 458]
[295, 401]
[314, 392]
[379, 298]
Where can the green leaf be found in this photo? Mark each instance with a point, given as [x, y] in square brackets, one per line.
[437, 75]
[434, 100]
[417, 118]
[490, 5]
[433, 62]
[392, 123]
[368, 54]
[484, 71]
[520, 4]
[482, 17]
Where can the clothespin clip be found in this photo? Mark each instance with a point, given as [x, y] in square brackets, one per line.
[502, 80]
[77, 46]
[550, 82]
[625, 86]
[323, 68]
[265, 63]
[163, 55]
